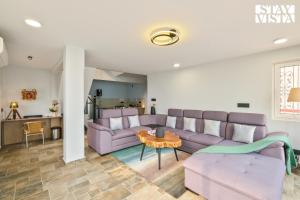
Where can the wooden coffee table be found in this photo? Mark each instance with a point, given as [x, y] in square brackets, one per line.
[169, 141]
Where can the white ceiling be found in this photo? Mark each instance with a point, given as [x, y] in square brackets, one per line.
[115, 33]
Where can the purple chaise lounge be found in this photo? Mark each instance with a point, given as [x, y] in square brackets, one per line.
[238, 176]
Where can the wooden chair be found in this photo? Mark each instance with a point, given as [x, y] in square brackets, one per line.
[33, 128]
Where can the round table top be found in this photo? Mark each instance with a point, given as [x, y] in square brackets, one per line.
[169, 141]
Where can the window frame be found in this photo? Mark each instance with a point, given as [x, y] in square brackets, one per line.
[276, 115]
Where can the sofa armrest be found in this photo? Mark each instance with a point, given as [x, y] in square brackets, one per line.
[99, 138]
[277, 133]
[100, 127]
[276, 149]
[276, 144]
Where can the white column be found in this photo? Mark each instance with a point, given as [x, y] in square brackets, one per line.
[73, 103]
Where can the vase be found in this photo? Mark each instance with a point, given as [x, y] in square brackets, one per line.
[153, 111]
[160, 132]
[54, 114]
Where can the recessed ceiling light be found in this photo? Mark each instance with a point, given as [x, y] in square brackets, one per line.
[176, 65]
[33, 23]
[164, 36]
[280, 40]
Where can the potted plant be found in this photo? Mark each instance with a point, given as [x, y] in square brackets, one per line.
[54, 108]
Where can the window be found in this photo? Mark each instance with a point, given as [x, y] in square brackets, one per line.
[286, 76]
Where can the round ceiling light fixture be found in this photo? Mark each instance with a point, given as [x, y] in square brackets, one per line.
[164, 36]
[33, 23]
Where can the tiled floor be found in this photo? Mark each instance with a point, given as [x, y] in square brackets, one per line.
[40, 173]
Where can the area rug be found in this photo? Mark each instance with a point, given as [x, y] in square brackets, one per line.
[171, 175]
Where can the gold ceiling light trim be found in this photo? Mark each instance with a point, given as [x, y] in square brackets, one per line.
[164, 36]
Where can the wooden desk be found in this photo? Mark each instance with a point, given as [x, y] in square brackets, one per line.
[12, 131]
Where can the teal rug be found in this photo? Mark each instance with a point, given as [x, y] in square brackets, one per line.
[171, 176]
[131, 156]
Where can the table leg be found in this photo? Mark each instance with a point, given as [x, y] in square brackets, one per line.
[158, 153]
[142, 152]
[176, 154]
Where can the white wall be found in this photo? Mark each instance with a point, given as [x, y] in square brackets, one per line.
[221, 85]
[14, 79]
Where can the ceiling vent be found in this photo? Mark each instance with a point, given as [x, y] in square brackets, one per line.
[3, 54]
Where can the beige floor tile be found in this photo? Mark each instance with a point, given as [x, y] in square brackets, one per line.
[40, 173]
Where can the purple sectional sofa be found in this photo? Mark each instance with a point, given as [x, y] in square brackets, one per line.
[101, 138]
[215, 176]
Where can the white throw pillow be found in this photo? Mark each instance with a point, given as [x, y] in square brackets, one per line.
[189, 124]
[212, 127]
[116, 123]
[243, 133]
[133, 121]
[171, 122]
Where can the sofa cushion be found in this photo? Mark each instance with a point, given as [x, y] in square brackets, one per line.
[129, 111]
[103, 122]
[193, 114]
[248, 174]
[128, 132]
[178, 113]
[243, 133]
[137, 129]
[181, 133]
[171, 122]
[212, 127]
[186, 135]
[123, 133]
[175, 112]
[189, 124]
[215, 115]
[125, 122]
[259, 133]
[125, 140]
[205, 139]
[108, 113]
[229, 143]
[258, 120]
[134, 121]
[247, 118]
[116, 123]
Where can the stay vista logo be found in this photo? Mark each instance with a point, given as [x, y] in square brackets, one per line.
[275, 14]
